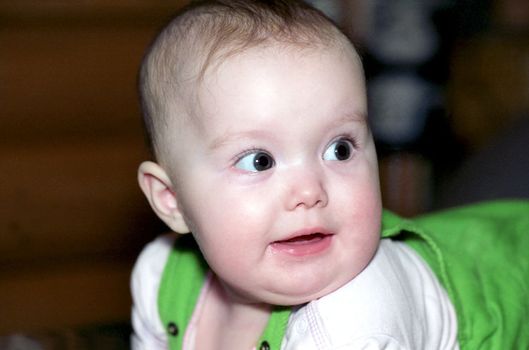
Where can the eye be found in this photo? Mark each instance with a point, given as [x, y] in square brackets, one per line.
[255, 162]
[339, 150]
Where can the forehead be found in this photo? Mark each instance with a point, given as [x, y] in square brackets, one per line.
[279, 51]
[286, 89]
[280, 76]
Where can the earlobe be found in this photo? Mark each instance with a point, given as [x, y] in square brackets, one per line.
[157, 187]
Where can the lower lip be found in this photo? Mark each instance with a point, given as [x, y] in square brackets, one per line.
[304, 248]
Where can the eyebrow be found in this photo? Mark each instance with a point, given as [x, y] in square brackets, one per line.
[354, 117]
[357, 117]
[232, 137]
[228, 137]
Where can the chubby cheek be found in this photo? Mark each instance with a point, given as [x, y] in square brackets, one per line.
[244, 211]
[359, 201]
[230, 227]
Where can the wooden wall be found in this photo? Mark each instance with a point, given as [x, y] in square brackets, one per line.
[71, 216]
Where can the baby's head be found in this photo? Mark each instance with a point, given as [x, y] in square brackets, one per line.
[257, 114]
[205, 34]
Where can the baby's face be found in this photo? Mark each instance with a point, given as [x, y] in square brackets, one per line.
[279, 182]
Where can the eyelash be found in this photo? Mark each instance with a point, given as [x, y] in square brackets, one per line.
[246, 152]
[344, 137]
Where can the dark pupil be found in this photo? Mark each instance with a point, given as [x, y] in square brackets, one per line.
[342, 150]
[262, 161]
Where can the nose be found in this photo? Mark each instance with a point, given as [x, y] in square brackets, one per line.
[306, 190]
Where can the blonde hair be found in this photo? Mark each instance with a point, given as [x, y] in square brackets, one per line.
[205, 33]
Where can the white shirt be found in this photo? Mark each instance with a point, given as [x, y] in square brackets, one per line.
[395, 303]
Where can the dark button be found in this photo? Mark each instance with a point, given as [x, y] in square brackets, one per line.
[264, 346]
[172, 329]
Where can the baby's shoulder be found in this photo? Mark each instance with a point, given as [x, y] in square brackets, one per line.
[149, 332]
[153, 257]
[148, 270]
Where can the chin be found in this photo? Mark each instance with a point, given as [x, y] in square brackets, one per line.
[303, 295]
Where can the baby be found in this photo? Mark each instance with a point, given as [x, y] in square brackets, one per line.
[258, 120]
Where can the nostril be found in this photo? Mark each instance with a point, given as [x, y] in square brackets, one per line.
[310, 200]
[305, 190]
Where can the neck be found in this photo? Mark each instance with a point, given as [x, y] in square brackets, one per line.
[227, 322]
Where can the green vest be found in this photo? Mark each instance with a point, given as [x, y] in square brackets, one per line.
[479, 253]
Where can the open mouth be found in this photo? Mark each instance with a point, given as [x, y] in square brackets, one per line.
[304, 239]
[304, 244]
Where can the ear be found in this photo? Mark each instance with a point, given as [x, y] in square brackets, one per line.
[158, 189]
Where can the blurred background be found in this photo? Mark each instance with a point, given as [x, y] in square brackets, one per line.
[449, 97]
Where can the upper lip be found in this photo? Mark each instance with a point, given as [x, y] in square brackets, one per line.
[305, 232]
